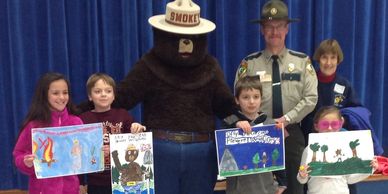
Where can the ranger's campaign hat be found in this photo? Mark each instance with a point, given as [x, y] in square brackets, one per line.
[182, 17]
[274, 10]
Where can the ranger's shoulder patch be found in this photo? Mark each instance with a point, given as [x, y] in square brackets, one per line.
[310, 67]
[297, 54]
[242, 70]
[253, 56]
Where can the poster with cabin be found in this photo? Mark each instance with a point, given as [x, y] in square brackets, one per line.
[239, 153]
[132, 163]
[340, 153]
[68, 150]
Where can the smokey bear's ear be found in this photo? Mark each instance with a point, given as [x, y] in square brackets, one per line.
[165, 46]
[165, 41]
[162, 35]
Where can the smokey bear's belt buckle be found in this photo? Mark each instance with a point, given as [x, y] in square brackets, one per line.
[181, 137]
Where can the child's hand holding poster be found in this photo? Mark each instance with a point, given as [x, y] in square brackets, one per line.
[340, 153]
[239, 153]
[68, 150]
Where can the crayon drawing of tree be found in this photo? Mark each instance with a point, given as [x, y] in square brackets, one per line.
[353, 145]
[275, 156]
[324, 149]
[256, 160]
[314, 147]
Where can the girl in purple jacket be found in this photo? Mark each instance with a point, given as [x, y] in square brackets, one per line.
[50, 107]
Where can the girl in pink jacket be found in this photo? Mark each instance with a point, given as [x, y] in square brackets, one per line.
[50, 107]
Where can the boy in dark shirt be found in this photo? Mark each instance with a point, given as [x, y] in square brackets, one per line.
[248, 93]
[101, 91]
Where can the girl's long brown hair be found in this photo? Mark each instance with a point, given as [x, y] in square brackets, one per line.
[40, 108]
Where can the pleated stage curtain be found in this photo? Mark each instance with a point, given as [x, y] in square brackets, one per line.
[78, 38]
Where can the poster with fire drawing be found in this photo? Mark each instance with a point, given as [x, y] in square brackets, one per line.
[239, 153]
[132, 163]
[68, 150]
[340, 153]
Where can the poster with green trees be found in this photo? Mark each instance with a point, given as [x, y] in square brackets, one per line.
[340, 153]
[239, 153]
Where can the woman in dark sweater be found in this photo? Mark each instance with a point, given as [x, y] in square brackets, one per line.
[333, 89]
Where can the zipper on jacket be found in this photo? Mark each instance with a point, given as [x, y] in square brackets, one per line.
[60, 120]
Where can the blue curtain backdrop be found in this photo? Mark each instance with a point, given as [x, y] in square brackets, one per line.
[78, 38]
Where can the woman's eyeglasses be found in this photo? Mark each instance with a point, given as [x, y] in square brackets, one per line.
[337, 124]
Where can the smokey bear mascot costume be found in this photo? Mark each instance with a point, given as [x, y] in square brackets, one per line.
[183, 90]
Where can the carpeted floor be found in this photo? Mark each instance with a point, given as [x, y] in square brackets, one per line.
[13, 192]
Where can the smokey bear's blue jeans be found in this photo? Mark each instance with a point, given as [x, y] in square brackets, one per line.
[184, 168]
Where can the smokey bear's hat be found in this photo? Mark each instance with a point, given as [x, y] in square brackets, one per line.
[182, 17]
[274, 10]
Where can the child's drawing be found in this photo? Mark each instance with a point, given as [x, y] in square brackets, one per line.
[340, 153]
[69, 150]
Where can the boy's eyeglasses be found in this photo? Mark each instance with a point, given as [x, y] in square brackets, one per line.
[337, 124]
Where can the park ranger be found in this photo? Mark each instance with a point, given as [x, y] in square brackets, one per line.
[289, 83]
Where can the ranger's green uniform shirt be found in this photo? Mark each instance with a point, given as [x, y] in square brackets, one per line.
[298, 81]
